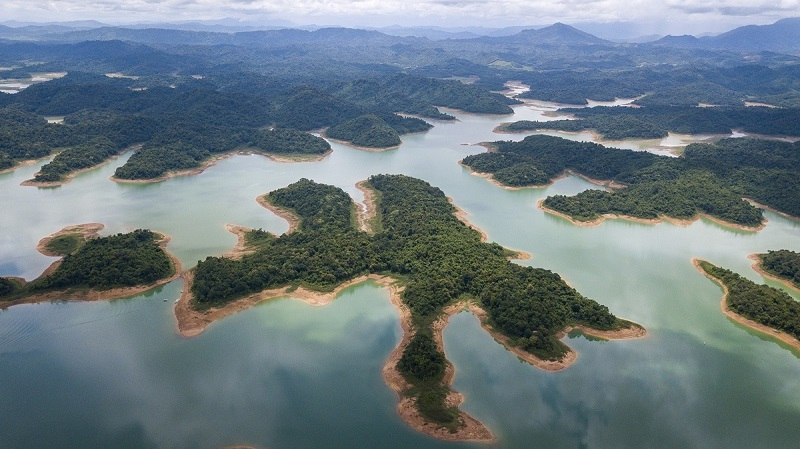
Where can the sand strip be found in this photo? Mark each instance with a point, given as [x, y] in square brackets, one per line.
[92, 294]
[765, 330]
[758, 268]
[369, 212]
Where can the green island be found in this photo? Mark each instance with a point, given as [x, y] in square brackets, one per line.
[761, 307]
[653, 122]
[372, 131]
[93, 267]
[436, 264]
[188, 124]
[710, 179]
[782, 264]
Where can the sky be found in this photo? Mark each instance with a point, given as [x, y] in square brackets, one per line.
[641, 17]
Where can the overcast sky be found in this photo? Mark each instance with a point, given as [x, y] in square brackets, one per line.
[652, 16]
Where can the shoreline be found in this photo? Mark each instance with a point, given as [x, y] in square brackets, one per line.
[367, 216]
[347, 143]
[88, 294]
[746, 322]
[214, 160]
[771, 209]
[286, 214]
[649, 221]
[758, 268]
[462, 215]
[70, 176]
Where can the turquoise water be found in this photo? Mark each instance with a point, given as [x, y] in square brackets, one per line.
[288, 375]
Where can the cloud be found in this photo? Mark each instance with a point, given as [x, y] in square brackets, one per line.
[413, 12]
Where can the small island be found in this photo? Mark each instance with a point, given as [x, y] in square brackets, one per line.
[710, 180]
[780, 265]
[93, 267]
[434, 264]
[375, 132]
[765, 309]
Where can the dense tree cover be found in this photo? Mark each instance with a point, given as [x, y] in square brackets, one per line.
[79, 157]
[7, 287]
[710, 178]
[420, 241]
[122, 260]
[656, 121]
[761, 303]
[288, 141]
[783, 264]
[377, 131]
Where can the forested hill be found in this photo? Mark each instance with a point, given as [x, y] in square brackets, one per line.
[182, 125]
[709, 179]
[419, 241]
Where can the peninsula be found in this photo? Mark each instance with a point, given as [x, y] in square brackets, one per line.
[434, 264]
[710, 180]
[765, 309]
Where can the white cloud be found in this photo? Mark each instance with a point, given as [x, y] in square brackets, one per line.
[676, 14]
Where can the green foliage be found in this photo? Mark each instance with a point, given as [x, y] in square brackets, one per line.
[420, 240]
[782, 263]
[289, 141]
[652, 122]
[75, 158]
[64, 244]
[710, 178]
[760, 303]
[7, 287]
[366, 131]
[122, 260]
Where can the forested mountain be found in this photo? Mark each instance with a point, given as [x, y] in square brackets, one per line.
[782, 36]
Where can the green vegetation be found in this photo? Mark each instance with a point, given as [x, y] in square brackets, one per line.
[782, 263]
[652, 122]
[64, 244]
[289, 141]
[377, 131]
[437, 257]
[122, 260]
[75, 158]
[118, 261]
[760, 303]
[709, 179]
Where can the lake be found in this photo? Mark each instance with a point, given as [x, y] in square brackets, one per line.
[288, 375]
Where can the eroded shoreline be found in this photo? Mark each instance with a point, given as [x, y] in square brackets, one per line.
[760, 328]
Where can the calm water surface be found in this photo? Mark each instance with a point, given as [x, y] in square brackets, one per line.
[288, 375]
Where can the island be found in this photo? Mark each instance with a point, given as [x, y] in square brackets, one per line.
[93, 267]
[765, 309]
[657, 121]
[781, 265]
[412, 241]
[711, 180]
[377, 132]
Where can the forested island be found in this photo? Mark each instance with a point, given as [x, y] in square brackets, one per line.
[188, 125]
[760, 307]
[710, 179]
[782, 264]
[93, 267]
[439, 265]
[653, 122]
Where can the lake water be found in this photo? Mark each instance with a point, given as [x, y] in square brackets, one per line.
[288, 375]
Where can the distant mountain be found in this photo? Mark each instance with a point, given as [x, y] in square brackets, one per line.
[782, 36]
[556, 34]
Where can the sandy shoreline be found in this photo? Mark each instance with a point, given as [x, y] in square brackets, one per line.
[90, 231]
[755, 257]
[69, 177]
[370, 211]
[347, 143]
[765, 330]
[214, 160]
[649, 221]
[286, 214]
[462, 215]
